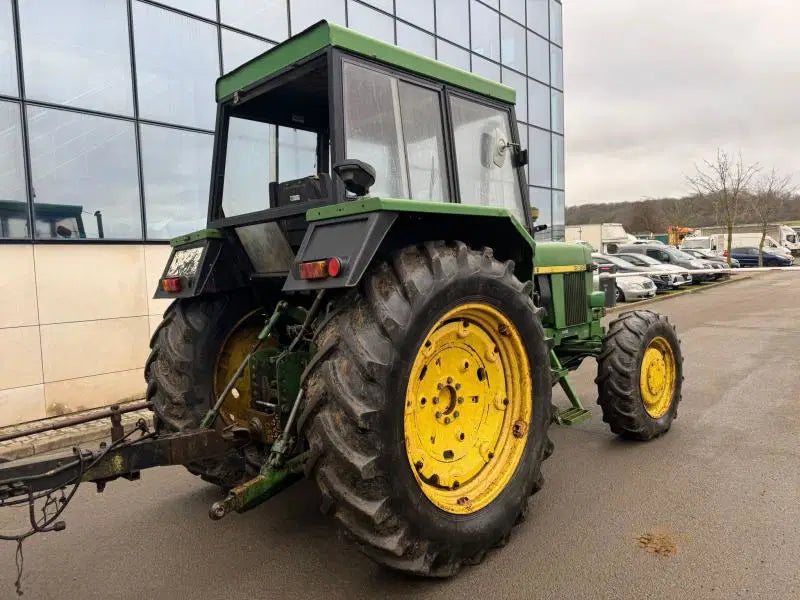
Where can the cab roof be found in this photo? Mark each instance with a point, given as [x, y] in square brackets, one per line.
[324, 34]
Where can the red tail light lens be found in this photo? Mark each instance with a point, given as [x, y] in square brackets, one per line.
[171, 285]
[320, 269]
[334, 267]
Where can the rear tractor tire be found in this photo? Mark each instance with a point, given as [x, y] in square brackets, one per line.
[190, 361]
[639, 375]
[428, 408]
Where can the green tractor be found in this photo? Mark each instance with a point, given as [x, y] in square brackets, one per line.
[386, 325]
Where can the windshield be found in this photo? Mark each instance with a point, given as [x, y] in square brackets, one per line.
[679, 255]
[695, 243]
[616, 260]
[640, 260]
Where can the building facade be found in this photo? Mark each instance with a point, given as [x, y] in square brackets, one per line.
[106, 128]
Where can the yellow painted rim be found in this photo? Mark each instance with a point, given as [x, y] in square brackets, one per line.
[657, 377]
[468, 408]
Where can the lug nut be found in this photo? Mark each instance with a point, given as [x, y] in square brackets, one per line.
[440, 387]
[447, 420]
[418, 465]
[460, 400]
[458, 386]
[449, 380]
[456, 415]
[438, 415]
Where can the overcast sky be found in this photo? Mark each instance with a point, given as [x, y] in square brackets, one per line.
[651, 87]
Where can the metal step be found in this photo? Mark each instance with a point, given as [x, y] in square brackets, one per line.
[572, 416]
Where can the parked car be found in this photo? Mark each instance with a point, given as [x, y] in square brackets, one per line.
[634, 287]
[678, 277]
[748, 257]
[672, 256]
[710, 256]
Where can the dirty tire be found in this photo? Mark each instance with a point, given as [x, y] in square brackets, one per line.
[618, 372]
[353, 416]
[179, 374]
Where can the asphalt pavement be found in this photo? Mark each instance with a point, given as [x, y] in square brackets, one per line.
[711, 510]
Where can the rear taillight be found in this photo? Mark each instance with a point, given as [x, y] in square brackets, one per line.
[725, 252]
[171, 285]
[321, 269]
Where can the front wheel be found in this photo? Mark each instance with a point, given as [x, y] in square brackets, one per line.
[639, 375]
[429, 411]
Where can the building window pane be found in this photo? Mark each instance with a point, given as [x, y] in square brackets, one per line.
[8, 57]
[557, 67]
[266, 18]
[539, 157]
[249, 166]
[371, 22]
[556, 29]
[177, 64]
[201, 8]
[485, 30]
[493, 3]
[519, 83]
[538, 104]
[13, 200]
[485, 68]
[77, 53]
[514, 9]
[540, 199]
[418, 12]
[452, 21]
[386, 5]
[558, 161]
[522, 130]
[423, 136]
[452, 55]
[307, 12]
[512, 44]
[559, 213]
[416, 40]
[85, 180]
[238, 48]
[297, 153]
[477, 130]
[538, 58]
[538, 19]
[557, 104]
[176, 166]
[372, 128]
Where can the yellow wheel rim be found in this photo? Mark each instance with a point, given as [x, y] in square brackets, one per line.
[657, 377]
[468, 408]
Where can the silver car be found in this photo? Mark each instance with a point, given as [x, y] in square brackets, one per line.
[634, 287]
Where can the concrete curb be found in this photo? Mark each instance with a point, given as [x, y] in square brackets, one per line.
[40, 443]
[692, 290]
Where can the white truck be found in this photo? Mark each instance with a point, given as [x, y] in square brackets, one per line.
[600, 236]
[718, 242]
[778, 236]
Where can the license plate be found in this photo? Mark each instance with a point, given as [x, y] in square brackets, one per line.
[185, 262]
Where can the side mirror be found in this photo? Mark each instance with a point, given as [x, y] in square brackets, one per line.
[356, 175]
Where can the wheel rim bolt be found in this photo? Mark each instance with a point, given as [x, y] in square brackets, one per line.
[438, 415]
[456, 415]
[447, 420]
[449, 380]
[460, 400]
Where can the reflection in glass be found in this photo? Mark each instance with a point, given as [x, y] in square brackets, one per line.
[307, 12]
[385, 5]
[557, 111]
[418, 12]
[558, 161]
[266, 18]
[514, 9]
[84, 173]
[538, 19]
[519, 83]
[238, 48]
[297, 153]
[452, 55]
[416, 40]
[556, 30]
[372, 128]
[557, 67]
[539, 104]
[559, 213]
[539, 157]
[538, 58]
[452, 21]
[479, 130]
[366, 20]
[8, 59]
[177, 64]
[176, 167]
[485, 30]
[540, 199]
[512, 44]
[201, 8]
[249, 166]
[485, 68]
[13, 201]
[74, 60]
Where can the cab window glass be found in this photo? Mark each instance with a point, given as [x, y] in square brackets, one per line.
[486, 173]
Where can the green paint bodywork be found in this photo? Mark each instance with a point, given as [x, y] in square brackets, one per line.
[194, 236]
[324, 35]
[558, 254]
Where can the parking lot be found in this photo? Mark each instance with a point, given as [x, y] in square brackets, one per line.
[708, 511]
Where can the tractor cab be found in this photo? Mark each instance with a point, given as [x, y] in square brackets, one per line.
[331, 116]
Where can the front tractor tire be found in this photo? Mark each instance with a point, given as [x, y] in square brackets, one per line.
[183, 372]
[639, 375]
[428, 407]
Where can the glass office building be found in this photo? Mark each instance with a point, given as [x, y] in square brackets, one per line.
[106, 127]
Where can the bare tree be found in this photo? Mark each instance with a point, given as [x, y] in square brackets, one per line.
[725, 181]
[766, 200]
[680, 212]
[646, 216]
